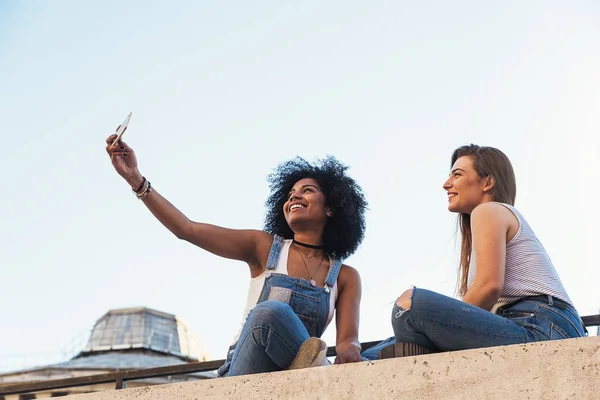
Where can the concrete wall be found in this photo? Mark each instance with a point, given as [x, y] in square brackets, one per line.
[566, 369]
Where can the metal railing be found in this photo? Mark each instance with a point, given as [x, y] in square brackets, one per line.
[120, 378]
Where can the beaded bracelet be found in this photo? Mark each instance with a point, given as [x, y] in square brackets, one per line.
[146, 188]
[141, 185]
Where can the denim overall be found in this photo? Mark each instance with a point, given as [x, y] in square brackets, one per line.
[310, 304]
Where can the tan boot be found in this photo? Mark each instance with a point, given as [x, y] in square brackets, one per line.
[312, 353]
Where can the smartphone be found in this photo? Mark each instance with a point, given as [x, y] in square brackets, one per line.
[121, 130]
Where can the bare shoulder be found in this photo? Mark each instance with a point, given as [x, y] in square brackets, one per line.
[492, 211]
[264, 239]
[348, 276]
[493, 214]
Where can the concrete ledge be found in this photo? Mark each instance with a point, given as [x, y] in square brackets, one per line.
[564, 369]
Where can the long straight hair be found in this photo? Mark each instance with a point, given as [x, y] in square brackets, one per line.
[488, 162]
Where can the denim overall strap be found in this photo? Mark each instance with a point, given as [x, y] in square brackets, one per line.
[334, 271]
[275, 251]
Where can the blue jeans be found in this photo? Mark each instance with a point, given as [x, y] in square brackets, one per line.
[441, 323]
[289, 311]
[270, 339]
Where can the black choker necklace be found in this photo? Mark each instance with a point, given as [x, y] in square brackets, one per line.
[310, 246]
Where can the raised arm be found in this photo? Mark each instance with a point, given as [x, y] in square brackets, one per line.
[347, 316]
[251, 246]
[490, 224]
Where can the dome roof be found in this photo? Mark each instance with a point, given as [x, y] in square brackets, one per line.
[144, 328]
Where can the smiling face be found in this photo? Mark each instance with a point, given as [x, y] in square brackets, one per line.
[306, 205]
[465, 188]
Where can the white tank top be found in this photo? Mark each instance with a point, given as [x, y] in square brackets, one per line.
[256, 286]
[529, 270]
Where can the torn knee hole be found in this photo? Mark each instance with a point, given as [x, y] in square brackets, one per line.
[405, 300]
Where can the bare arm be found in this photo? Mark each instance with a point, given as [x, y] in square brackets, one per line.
[490, 223]
[250, 246]
[347, 316]
[243, 245]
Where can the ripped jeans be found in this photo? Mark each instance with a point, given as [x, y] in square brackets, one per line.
[441, 323]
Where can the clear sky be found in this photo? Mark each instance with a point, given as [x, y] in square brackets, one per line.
[221, 92]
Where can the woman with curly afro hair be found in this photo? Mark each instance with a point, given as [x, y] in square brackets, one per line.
[314, 220]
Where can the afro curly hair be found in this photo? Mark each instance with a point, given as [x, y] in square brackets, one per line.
[345, 230]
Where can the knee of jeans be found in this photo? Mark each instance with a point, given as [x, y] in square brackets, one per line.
[270, 311]
[405, 300]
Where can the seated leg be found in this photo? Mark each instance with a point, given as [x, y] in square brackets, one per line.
[440, 323]
[269, 341]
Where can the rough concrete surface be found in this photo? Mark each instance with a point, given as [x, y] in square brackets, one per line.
[564, 369]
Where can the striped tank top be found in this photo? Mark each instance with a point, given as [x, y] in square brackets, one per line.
[529, 270]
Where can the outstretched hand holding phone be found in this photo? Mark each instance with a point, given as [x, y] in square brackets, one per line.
[123, 157]
[229, 243]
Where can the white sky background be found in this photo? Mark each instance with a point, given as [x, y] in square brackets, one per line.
[221, 92]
